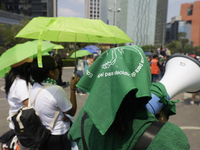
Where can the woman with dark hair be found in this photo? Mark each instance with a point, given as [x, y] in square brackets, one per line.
[50, 99]
[17, 87]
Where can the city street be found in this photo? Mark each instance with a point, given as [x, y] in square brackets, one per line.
[187, 117]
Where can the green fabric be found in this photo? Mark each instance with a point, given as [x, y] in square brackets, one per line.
[80, 53]
[170, 137]
[112, 75]
[159, 90]
[20, 52]
[49, 80]
[72, 29]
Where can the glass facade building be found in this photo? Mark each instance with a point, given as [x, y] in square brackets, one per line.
[32, 8]
[139, 19]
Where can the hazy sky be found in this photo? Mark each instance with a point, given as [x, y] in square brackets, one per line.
[76, 8]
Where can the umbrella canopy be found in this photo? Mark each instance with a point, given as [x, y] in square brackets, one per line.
[147, 53]
[72, 29]
[94, 47]
[20, 52]
[58, 47]
[92, 51]
[80, 53]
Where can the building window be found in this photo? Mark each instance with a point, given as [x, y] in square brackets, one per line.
[94, 15]
[94, 7]
[90, 15]
[97, 15]
[44, 7]
[189, 12]
[189, 22]
[90, 7]
[90, 3]
[94, 11]
[90, 11]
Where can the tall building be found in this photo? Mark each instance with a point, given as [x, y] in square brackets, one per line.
[137, 18]
[92, 9]
[32, 8]
[175, 27]
[161, 17]
[190, 14]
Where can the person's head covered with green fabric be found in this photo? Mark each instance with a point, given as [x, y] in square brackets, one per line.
[119, 74]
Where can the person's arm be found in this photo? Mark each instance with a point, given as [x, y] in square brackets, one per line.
[25, 102]
[74, 81]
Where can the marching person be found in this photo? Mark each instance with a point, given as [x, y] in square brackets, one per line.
[114, 116]
[50, 99]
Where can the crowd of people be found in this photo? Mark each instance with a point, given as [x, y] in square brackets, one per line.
[116, 116]
[157, 63]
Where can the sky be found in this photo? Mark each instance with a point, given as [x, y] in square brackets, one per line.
[76, 8]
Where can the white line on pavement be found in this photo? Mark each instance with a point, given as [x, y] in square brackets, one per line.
[2, 99]
[2, 88]
[189, 128]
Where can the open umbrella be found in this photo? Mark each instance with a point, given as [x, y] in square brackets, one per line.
[80, 53]
[20, 52]
[92, 51]
[70, 29]
[94, 47]
[58, 47]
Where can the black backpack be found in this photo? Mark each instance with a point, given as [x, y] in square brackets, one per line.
[29, 128]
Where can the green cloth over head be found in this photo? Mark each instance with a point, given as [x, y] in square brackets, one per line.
[113, 74]
[159, 90]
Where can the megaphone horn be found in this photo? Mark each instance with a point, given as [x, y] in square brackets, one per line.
[182, 74]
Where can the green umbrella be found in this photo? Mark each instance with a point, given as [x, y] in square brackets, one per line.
[58, 47]
[70, 29]
[80, 53]
[20, 52]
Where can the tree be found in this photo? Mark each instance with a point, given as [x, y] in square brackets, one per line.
[148, 48]
[8, 33]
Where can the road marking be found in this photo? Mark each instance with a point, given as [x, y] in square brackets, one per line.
[3, 88]
[189, 128]
[2, 99]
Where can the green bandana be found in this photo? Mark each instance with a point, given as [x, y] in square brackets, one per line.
[52, 81]
[113, 74]
[159, 90]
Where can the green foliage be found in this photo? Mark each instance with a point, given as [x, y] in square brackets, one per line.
[9, 32]
[68, 62]
[149, 48]
[181, 45]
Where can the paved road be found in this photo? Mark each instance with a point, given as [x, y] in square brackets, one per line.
[187, 116]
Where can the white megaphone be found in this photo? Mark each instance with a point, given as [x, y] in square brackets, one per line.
[182, 74]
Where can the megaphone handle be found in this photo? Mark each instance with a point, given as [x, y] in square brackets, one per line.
[161, 116]
[154, 106]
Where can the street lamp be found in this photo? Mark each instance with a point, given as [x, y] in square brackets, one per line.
[116, 10]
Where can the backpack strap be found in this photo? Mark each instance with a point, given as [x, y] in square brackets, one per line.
[148, 136]
[30, 105]
[82, 130]
[38, 93]
[142, 143]
[57, 112]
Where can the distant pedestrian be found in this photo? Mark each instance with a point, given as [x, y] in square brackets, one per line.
[154, 68]
[80, 72]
